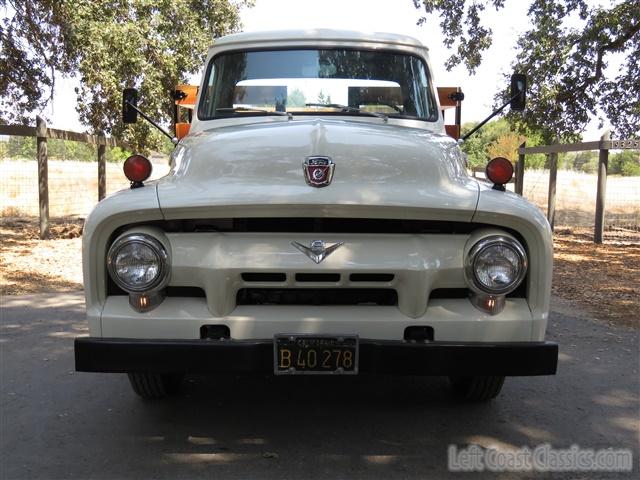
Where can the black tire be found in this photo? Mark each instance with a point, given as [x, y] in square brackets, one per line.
[155, 385]
[477, 389]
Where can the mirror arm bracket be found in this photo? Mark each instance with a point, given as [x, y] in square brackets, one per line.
[495, 112]
[173, 139]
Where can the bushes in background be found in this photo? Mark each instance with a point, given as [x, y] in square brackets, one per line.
[25, 148]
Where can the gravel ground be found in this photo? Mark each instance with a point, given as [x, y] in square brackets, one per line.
[602, 279]
[31, 265]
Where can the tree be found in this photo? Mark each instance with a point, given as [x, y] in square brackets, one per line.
[322, 98]
[108, 45]
[496, 139]
[21, 147]
[296, 98]
[565, 54]
[476, 145]
[506, 145]
[626, 163]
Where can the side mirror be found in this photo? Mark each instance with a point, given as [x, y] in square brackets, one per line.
[518, 92]
[129, 97]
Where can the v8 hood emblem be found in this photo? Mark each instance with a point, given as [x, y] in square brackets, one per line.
[317, 251]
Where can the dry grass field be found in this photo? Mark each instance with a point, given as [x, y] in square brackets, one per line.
[73, 186]
[73, 191]
[576, 197]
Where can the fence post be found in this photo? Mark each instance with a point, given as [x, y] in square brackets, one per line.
[603, 165]
[553, 174]
[43, 176]
[520, 171]
[102, 180]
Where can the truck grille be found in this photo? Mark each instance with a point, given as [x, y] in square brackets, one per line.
[281, 277]
[325, 296]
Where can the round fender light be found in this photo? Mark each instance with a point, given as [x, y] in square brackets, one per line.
[499, 170]
[137, 168]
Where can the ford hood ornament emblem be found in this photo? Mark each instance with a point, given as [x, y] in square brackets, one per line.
[318, 171]
[317, 251]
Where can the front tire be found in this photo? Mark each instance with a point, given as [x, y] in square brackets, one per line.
[155, 385]
[477, 388]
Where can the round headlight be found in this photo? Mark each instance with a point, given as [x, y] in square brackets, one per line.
[496, 265]
[138, 263]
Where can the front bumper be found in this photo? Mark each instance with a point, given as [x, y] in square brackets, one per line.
[94, 354]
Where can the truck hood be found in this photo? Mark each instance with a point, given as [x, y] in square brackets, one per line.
[257, 170]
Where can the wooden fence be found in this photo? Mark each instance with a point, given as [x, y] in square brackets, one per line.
[42, 133]
[603, 145]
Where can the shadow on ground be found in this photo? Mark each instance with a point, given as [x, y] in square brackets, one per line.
[57, 423]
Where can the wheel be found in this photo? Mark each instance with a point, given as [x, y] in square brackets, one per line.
[155, 385]
[477, 389]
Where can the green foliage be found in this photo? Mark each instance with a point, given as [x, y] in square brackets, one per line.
[21, 147]
[564, 54]
[625, 163]
[117, 154]
[25, 148]
[476, 146]
[506, 145]
[537, 161]
[590, 167]
[630, 169]
[497, 139]
[296, 98]
[108, 45]
[586, 162]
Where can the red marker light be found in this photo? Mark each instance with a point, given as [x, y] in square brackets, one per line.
[499, 170]
[137, 168]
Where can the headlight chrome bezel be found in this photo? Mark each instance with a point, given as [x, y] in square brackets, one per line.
[157, 247]
[482, 245]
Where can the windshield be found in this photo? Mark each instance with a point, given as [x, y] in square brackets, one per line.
[333, 82]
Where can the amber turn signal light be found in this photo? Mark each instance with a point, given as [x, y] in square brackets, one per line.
[499, 171]
[137, 169]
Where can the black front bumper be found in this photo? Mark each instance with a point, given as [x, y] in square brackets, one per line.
[376, 356]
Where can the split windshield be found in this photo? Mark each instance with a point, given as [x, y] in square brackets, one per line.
[334, 82]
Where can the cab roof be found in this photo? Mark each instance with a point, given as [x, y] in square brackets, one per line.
[291, 36]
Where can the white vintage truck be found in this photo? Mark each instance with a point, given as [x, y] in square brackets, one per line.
[317, 219]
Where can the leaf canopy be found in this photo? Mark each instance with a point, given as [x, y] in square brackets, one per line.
[565, 54]
[152, 45]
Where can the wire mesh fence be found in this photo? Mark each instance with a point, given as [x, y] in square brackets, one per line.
[576, 198]
[73, 185]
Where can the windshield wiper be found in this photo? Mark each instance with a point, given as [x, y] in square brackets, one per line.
[346, 108]
[251, 109]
